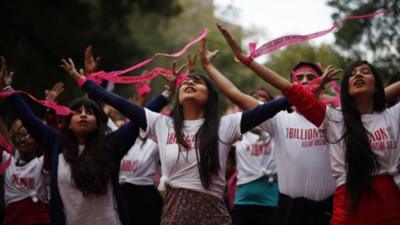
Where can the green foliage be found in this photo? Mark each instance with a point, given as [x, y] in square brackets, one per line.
[172, 34]
[374, 38]
[36, 34]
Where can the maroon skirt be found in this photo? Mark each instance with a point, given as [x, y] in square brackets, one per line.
[26, 212]
[381, 209]
[187, 207]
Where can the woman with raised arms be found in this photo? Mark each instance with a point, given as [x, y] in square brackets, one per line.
[193, 145]
[363, 140]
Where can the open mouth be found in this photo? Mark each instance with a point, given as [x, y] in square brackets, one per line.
[83, 123]
[359, 83]
[189, 90]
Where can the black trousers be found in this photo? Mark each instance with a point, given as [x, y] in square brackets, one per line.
[302, 211]
[252, 215]
[144, 204]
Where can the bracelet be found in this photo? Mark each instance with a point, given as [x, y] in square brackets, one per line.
[81, 80]
[7, 88]
[165, 93]
[247, 60]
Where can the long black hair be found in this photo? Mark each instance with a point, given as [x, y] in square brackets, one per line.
[90, 170]
[206, 137]
[361, 161]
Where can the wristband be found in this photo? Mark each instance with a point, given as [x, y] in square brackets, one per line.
[7, 88]
[80, 81]
[166, 94]
[247, 60]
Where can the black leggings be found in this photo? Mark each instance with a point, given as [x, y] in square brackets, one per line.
[302, 211]
[144, 204]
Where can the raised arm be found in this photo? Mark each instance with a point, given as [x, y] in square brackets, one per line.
[51, 117]
[4, 132]
[297, 95]
[255, 116]
[265, 73]
[43, 135]
[244, 101]
[306, 103]
[122, 139]
[392, 91]
[130, 110]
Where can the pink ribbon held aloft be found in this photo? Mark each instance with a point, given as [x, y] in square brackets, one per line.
[142, 89]
[59, 109]
[102, 75]
[277, 43]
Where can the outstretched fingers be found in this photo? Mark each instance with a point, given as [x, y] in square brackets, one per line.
[69, 67]
[90, 62]
[237, 50]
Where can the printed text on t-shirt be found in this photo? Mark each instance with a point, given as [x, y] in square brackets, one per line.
[309, 137]
[190, 139]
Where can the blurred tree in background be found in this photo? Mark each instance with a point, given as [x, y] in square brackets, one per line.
[175, 32]
[37, 34]
[376, 39]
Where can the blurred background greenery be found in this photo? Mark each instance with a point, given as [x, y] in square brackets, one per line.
[36, 34]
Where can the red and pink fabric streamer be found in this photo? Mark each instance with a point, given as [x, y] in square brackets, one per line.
[114, 75]
[59, 109]
[277, 43]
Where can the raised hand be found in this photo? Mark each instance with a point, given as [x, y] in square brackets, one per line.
[330, 74]
[171, 79]
[91, 64]
[236, 49]
[206, 56]
[69, 67]
[191, 63]
[51, 95]
[5, 76]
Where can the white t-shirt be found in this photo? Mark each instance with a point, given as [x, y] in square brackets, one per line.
[79, 210]
[301, 155]
[25, 181]
[383, 131]
[140, 164]
[254, 158]
[181, 170]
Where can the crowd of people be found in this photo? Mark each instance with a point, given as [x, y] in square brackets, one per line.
[308, 157]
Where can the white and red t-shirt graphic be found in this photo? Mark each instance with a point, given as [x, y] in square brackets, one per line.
[180, 169]
[25, 181]
[254, 158]
[301, 156]
[383, 129]
[140, 164]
